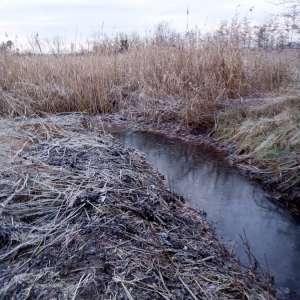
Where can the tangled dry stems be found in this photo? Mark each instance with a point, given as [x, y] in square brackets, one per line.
[82, 217]
[200, 73]
[185, 82]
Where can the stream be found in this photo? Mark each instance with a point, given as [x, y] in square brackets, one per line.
[235, 206]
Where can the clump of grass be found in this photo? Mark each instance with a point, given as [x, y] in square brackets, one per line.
[267, 136]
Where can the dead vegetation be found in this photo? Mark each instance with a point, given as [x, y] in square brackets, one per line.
[187, 80]
[199, 71]
[187, 84]
[84, 218]
[267, 142]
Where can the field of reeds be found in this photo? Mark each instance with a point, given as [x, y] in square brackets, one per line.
[201, 72]
[192, 80]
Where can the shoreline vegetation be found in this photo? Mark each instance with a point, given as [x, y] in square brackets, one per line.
[80, 214]
[239, 88]
[92, 219]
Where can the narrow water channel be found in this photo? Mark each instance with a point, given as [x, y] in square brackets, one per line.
[234, 205]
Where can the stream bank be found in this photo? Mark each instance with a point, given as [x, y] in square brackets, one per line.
[84, 217]
[261, 137]
[243, 214]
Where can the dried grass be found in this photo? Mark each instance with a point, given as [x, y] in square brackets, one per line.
[199, 74]
[84, 218]
[267, 136]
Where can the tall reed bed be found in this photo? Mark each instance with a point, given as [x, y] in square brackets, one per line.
[201, 74]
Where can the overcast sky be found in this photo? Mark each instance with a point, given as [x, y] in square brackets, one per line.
[79, 19]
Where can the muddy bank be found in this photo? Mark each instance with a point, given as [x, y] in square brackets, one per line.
[83, 217]
[236, 206]
[274, 165]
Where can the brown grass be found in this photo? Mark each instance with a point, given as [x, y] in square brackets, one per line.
[187, 80]
[201, 74]
[267, 136]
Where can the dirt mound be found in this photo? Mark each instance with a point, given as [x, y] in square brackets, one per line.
[84, 218]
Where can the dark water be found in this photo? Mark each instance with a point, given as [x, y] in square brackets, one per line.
[233, 204]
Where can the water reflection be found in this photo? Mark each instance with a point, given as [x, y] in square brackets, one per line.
[232, 203]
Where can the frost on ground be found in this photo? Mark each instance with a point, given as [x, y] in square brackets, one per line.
[84, 218]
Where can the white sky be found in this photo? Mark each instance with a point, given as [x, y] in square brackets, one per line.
[78, 19]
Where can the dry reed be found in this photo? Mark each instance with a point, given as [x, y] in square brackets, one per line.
[201, 74]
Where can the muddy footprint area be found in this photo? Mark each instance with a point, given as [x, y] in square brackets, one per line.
[83, 217]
